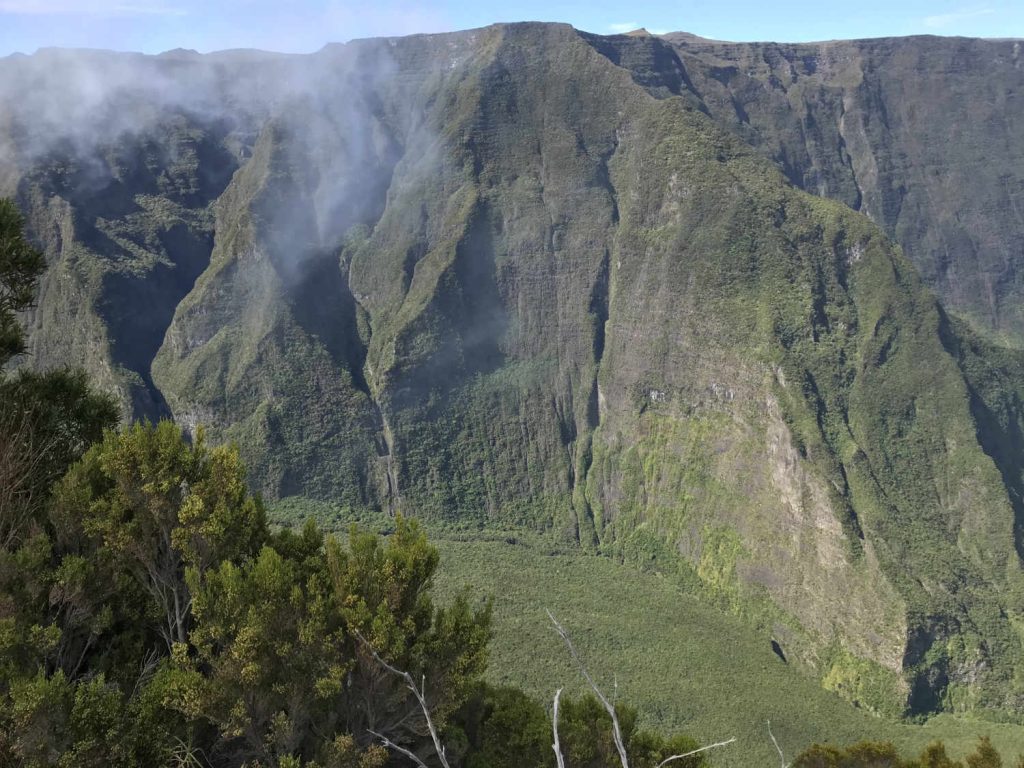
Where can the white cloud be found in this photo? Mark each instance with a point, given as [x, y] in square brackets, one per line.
[623, 27]
[941, 20]
[89, 8]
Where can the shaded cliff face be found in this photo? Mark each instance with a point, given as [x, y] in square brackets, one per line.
[522, 275]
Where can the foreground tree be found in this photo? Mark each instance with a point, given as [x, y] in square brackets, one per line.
[158, 507]
[874, 754]
[158, 613]
[20, 267]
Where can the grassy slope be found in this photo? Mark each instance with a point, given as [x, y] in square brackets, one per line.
[685, 664]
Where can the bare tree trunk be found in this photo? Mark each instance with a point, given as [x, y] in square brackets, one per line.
[421, 696]
[554, 727]
[782, 757]
[695, 751]
[610, 708]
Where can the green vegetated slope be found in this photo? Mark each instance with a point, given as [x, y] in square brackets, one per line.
[510, 277]
[683, 664]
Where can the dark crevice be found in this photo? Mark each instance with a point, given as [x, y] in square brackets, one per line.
[846, 159]
[598, 310]
[482, 320]
[138, 312]
[323, 305]
[152, 257]
[599, 306]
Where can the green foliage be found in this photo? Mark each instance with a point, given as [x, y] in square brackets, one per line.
[504, 728]
[20, 267]
[985, 756]
[149, 616]
[585, 729]
[55, 722]
[155, 506]
[47, 420]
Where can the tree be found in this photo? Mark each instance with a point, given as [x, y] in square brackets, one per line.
[504, 728]
[873, 754]
[415, 663]
[271, 652]
[284, 664]
[20, 267]
[934, 756]
[865, 754]
[47, 421]
[984, 755]
[156, 506]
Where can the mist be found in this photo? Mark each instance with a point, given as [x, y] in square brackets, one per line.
[84, 110]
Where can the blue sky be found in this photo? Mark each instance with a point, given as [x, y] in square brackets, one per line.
[306, 25]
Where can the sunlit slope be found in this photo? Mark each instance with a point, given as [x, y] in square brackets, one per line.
[684, 665]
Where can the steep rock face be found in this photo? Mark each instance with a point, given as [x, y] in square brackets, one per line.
[922, 134]
[522, 275]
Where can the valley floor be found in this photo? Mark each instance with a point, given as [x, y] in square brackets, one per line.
[685, 665]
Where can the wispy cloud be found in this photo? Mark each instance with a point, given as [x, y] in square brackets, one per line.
[89, 8]
[941, 20]
[623, 27]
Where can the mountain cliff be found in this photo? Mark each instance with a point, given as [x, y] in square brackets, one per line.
[621, 288]
[921, 134]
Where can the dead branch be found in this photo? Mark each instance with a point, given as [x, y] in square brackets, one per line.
[391, 745]
[609, 707]
[421, 697]
[695, 752]
[782, 757]
[554, 727]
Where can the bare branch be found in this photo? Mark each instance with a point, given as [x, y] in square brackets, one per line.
[186, 755]
[554, 727]
[421, 697]
[695, 752]
[616, 729]
[609, 707]
[391, 745]
[21, 457]
[782, 757]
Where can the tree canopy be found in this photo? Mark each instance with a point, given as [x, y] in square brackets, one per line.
[20, 267]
